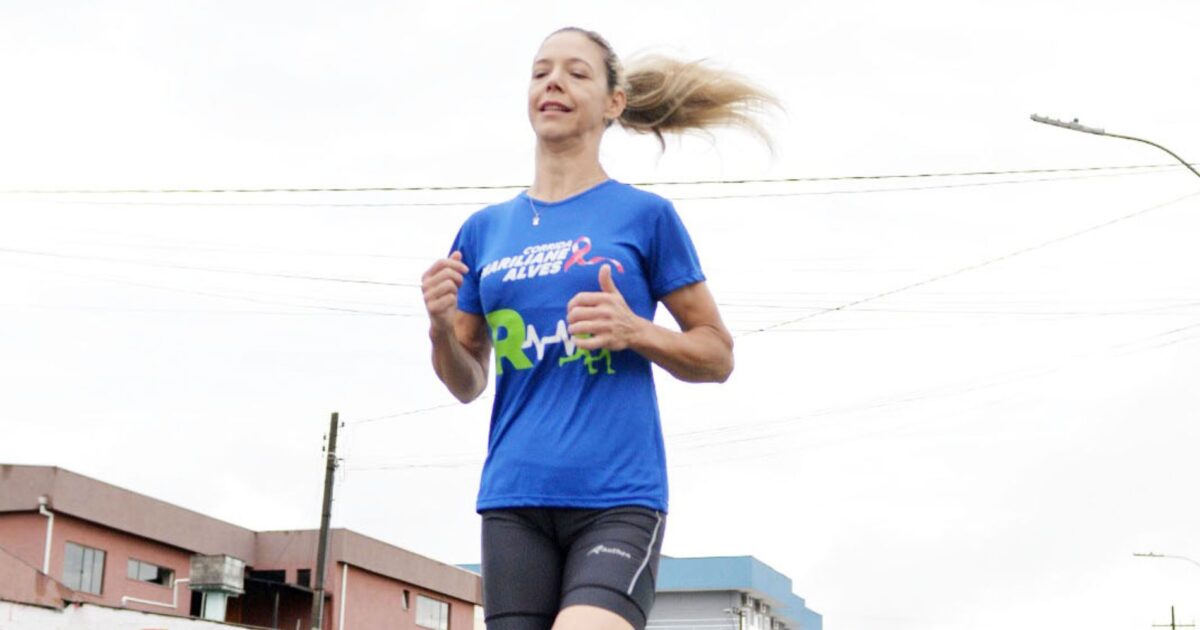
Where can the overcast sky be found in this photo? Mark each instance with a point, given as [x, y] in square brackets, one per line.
[984, 450]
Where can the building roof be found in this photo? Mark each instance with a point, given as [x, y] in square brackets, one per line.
[737, 573]
[123, 510]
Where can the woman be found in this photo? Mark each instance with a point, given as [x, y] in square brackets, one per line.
[562, 283]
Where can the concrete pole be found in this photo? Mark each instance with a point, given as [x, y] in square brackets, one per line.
[318, 609]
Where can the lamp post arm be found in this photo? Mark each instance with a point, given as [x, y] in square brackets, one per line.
[1075, 126]
[1184, 559]
[1154, 144]
[1151, 554]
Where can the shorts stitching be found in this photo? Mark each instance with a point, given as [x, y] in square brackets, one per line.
[649, 550]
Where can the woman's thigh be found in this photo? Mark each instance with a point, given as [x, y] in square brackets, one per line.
[611, 564]
[522, 570]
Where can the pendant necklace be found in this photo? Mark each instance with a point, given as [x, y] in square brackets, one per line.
[537, 215]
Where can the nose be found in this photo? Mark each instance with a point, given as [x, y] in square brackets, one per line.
[554, 80]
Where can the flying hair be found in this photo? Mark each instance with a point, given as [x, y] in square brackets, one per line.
[666, 95]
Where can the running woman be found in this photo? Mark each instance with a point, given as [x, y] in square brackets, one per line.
[561, 284]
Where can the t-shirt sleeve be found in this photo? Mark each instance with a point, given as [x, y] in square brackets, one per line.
[467, 243]
[673, 259]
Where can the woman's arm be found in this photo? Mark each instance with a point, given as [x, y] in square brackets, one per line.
[461, 341]
[461, 355]
[701, 352]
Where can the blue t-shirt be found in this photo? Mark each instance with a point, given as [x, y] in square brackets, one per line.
[571, 428]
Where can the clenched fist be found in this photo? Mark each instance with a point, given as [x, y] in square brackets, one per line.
[440, 287]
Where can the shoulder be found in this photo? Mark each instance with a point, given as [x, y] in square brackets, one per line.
[640, 200]
[495, 212]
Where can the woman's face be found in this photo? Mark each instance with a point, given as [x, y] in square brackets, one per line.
[568, 89]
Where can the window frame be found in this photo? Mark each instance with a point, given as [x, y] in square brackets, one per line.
[171, 579]
[78, 583]
[442, 605]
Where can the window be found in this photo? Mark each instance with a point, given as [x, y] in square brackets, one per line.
[304, 577]
[147, 572]
[405, 600]
[432, 614]
[83, 568]
[269, 576]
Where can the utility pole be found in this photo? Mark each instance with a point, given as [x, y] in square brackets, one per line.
[318, 607]
[1174, 625]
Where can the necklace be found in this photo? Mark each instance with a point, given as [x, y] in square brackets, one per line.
[537, 216]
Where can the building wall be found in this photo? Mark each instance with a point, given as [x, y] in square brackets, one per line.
[24, 535]
[86, 617]
[703, 610]
[22, 582]
[386, 602]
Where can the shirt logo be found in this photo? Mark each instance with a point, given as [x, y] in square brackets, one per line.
[547, 259]
[511, 337]
[580, 248]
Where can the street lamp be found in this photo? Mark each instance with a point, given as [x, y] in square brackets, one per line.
[1151, 554]
[1075, 126]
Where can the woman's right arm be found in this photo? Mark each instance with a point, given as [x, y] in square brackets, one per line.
[461, 342]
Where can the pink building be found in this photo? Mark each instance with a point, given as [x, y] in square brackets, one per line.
[116, 548]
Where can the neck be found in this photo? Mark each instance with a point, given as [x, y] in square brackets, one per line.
[566, 169]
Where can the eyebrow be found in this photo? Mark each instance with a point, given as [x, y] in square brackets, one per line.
[571, 60]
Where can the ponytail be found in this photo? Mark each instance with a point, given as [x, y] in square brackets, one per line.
[665, 95]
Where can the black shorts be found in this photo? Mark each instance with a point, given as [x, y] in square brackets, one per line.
[537, 561]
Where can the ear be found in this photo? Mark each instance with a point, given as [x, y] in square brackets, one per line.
[616, 105]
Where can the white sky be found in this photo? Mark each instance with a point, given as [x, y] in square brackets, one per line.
[984, 451]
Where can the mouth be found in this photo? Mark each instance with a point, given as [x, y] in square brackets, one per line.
[553, 106]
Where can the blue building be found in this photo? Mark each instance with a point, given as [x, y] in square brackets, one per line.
[727, 593]
[724, 593]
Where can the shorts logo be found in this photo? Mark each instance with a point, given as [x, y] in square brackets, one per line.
[599, 549]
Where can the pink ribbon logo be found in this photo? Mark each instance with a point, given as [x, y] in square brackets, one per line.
[580, 248]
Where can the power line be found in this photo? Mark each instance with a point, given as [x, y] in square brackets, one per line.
[245, 272]
[822, 193]
[973, 267]
[696, 182]
[485, 202]
[411, 412]
[341, 310]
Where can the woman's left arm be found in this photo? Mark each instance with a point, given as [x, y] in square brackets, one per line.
[701, 352]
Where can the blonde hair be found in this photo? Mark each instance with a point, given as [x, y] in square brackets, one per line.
[665, 95]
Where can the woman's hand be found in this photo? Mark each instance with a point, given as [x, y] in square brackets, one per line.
[440, 286]
[461, 342]
[602, 319]
[701, 352]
